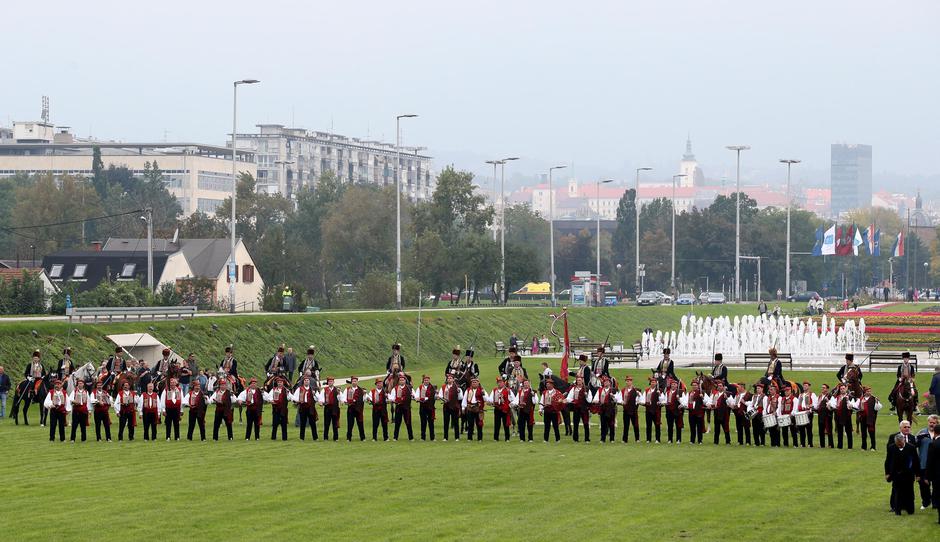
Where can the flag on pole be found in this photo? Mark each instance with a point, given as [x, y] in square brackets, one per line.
[870, 239]
[899, 245]
[876, 244]
[829, 242]
[857, 240]
[567, 343]
[817, 247]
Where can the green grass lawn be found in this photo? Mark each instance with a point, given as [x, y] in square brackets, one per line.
[446, 491]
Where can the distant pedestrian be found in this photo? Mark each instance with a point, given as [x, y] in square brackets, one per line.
[4, 390]
[762, 307]
[779, 294]
[934, 388]
[887, 292]
[188, 371]
[290, 359]
[514, 341]
[543, 344]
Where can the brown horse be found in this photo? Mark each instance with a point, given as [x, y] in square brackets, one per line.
[853, 382]
[905, 399]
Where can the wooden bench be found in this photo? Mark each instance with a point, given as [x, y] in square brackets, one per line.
[933, 350]
[579, 347]
[112, 313]
[622, 357]
[500, 347]
[762, 359]
[891, 359]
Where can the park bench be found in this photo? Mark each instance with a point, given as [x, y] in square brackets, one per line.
[622, 357]
[889, 359]
[123, 313]
[761, 359]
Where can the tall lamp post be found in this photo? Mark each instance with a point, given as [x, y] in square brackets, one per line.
[737, 224]
[495, 163]
[597, 295]
[398, 207]
[672, 280]
[551, 231]
[789, 162]
[231, 263]
[502, 228]
[636, 210]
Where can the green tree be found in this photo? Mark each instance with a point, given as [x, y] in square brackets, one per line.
[357, 238]
[623, 240]
[304, 234]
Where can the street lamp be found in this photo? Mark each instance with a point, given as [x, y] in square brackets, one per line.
[231, 263]
[502, 228]
[551, 230]
[672, 280]
[636, 210]
[789, 162]
[398, 207]
[737, 224]
[495, 163]
[597, 294]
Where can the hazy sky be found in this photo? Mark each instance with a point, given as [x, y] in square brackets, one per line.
[604, 86]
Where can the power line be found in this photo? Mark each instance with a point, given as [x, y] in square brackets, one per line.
[79, 221]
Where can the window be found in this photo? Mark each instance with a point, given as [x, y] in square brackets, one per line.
[128, 270]
[207, 205]
[219, 182]
[227, 277]
[56, 271]
[248, 273]
[79, 272]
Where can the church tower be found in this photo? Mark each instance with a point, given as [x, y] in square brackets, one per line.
[689, 167]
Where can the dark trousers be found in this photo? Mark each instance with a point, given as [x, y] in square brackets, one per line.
[806, 432]
[330, 421]
[581, 417]
[868, 431]
[172, 419]
[150, 425]
[607, 426]
[101, 418]
[696, 428]
[252, 423]
[823, 420]
[925, 493]
[379, 417]
[306, 418]
[743, 428]
[354, 417]
[902, 494]
[551, 422]
[628, 420]
[279, 421]
[760, 434]
[524, 427]
[844, 429]
[427, 422]
[127, 420]
[650, 422]
[672, 423]
[56, 420]
[721, 424]
[403, 413]
[788, 433]
[194, 420]
[472, 425]
[566, 417]
[501, 421]
[774, 436]
[79, 421]
[217, 422]
[451, 421]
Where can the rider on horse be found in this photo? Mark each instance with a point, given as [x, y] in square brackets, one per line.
[906, 372]
[848, 367]
[774, 372]
[35, 371]
[229, 365]
[66, 366]
[116, 363]
[665, 372]
[310, 364]
[720, 372]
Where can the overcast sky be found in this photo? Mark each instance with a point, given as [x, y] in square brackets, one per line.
[603, 86]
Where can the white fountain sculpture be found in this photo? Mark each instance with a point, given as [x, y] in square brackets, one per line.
[703, 335]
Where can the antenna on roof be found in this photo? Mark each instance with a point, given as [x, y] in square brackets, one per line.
[45, 110]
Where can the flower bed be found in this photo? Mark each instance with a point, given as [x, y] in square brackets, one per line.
[889, 338]
[896, 330]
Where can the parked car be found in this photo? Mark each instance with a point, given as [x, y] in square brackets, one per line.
[648, 298]
[685, 299]
[716, 298]
[804, 296]
[665, 299]
[703, 297]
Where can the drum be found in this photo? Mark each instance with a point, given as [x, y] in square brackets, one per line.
[801, 418]
[785, 421]
[769, 420]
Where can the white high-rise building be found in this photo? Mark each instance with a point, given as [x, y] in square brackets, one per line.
[289, 159]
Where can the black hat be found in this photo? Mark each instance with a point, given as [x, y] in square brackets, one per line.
[582, 357]
[455, 351]
[311, 349]
[601, 349]
[396, 346]
[849, 356]
[118, 350]
[667, 351]
[718, 356]
[469, 353]
[228, 349]
[512, 348]
[905, 355]
[67, 351]
[37, 354]
[280, 349]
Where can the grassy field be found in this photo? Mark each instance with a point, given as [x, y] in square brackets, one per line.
[446, 491]
[351, 342]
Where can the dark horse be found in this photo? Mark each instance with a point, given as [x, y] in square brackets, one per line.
[28, 392]
[905, 399]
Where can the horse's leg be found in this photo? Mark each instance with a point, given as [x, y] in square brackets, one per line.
[26, 403]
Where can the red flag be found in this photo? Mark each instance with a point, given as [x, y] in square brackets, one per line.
[564, 355]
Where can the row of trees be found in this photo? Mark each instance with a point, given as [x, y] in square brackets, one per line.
[335, 245]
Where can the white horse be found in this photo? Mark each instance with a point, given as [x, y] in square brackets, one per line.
[85, 373]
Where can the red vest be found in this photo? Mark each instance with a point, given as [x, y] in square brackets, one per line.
[80, 405]
[102, 401]
[59, 399]
[501, 399]
[174, 399]
[378, 398]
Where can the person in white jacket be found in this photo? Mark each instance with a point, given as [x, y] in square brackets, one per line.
[171, 406]
[126, 405]
[580, 397]
[57, 402]
[79, 401]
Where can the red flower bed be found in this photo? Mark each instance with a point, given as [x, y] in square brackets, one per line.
[879, 329]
